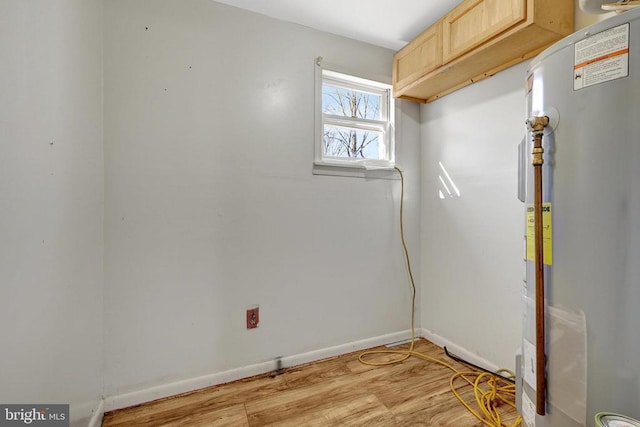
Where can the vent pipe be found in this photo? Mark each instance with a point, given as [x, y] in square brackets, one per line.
[594, 6]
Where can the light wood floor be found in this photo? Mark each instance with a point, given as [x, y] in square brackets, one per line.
[335, 392]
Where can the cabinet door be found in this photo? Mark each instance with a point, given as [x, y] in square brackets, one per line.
[422, 55]
[475, 21]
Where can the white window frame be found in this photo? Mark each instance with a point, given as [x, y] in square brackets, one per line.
[385, 126]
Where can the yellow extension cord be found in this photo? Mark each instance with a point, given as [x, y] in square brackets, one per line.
[489, 397]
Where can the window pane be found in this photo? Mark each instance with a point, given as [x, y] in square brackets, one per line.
[351, 143]
[350, 103]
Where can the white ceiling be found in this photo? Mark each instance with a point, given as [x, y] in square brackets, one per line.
[386, 23]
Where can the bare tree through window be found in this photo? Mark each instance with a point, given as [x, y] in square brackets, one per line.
[343, 141]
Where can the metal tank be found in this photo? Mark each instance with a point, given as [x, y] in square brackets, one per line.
[588, 85]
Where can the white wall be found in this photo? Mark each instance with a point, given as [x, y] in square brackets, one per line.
[51, 203]
[472, 246]
[211, 205]
[582, 19]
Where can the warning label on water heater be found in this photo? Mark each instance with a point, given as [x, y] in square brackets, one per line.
[547, 234]
[601, 57]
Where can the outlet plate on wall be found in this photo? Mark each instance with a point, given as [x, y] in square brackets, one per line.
[253, 317]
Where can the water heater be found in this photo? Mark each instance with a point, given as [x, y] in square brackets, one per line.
[587, 86]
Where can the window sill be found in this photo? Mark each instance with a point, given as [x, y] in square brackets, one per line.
[355, 171]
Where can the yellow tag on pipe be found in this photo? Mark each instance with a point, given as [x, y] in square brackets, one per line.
[546, 234]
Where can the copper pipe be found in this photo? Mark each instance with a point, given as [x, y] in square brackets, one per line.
[537, 125]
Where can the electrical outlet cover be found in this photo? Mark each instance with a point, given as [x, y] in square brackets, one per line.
[253, 317]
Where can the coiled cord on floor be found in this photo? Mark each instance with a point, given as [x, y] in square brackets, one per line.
[490, 390]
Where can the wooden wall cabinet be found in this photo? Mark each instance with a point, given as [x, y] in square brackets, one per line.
[475, 40]
[422, 55]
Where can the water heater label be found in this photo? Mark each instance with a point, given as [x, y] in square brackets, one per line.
[529, 361]
[601, 57]
[528, 411]
[547, 234]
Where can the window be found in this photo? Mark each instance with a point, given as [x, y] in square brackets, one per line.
[354, 122]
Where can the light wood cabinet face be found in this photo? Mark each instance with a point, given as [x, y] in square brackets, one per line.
[474, 41]
[422, 55]
[474, 22]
